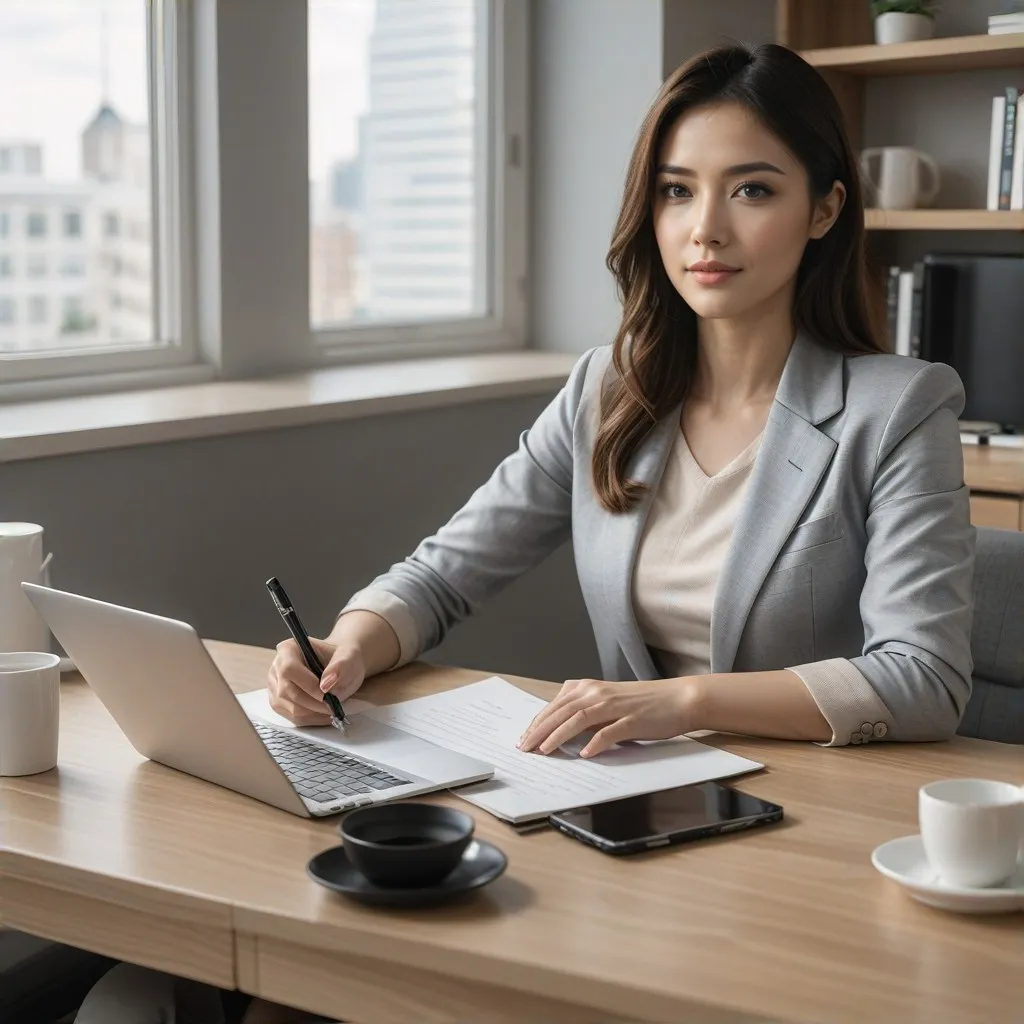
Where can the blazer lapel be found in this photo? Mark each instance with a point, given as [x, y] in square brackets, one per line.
[619, 540]
[793, 457]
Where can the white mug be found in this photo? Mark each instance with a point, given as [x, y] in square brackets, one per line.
[899, 185]
[21, 560]
[972, 829]
[29, 712]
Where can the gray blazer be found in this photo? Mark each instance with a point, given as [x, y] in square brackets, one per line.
[854, 540]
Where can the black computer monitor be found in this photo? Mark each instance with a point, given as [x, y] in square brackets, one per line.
[972, 317]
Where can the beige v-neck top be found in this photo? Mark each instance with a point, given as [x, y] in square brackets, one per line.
[681, 554]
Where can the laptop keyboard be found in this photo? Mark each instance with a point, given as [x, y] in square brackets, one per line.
[321, 774]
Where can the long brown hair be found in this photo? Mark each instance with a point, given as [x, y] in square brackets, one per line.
[836, 299]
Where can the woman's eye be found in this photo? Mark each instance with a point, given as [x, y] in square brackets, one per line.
[752, 190]
[674, 191]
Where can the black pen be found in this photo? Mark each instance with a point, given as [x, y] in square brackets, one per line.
[301, 637]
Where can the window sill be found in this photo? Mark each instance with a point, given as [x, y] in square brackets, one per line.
[62, 426]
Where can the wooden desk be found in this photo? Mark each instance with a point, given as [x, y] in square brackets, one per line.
[790, 923]
[995, 477]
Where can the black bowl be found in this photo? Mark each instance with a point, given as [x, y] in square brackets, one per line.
[406, 845]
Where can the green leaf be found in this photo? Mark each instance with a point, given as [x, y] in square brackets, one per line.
[928, 8]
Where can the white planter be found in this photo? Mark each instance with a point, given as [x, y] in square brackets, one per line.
[903, 28]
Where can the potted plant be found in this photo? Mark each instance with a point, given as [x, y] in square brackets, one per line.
[901, 21]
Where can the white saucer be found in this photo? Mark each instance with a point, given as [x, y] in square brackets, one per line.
[903, 860]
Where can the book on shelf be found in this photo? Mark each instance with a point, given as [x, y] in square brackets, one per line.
[999, 24]
[903, 308]
[1006, 152]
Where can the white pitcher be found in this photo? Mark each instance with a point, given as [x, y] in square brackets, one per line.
[899, 182]
[21, 560]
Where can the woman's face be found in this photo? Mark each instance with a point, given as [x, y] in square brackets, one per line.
[733, 213]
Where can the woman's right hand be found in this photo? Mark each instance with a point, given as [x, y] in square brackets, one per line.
[296, 693]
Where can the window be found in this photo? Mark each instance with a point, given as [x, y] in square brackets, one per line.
[99, 151]
[6, 266]
[5, 223]
[409, 240]
[6, 311]
[72, 266]
[398, 205]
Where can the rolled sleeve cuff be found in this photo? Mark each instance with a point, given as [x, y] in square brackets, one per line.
[394, 611]
[849, 703]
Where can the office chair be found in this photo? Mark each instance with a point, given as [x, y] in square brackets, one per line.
[996, 708]
[41, 981]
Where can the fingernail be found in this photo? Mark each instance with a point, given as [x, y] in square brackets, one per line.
[326, 683]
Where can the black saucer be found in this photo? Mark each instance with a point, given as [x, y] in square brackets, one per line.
[481, 863]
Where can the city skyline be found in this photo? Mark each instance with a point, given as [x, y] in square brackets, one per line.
[51, 59]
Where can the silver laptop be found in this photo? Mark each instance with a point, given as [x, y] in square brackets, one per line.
[163, 689]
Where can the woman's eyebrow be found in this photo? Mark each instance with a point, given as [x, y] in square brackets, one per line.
[751, 168]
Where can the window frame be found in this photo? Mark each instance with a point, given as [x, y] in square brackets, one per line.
[243, 307]
[36, 374]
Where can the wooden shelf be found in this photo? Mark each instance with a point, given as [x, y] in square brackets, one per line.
[944, 220]
[952, 53]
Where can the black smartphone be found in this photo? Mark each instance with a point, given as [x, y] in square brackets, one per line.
[661, 819]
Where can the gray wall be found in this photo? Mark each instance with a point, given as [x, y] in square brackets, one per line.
[596, 66]
[691, 25]
[192, 529]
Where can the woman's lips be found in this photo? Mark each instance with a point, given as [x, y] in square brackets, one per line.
[712, 277]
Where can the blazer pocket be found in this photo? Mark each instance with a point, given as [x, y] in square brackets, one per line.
[813, 533]
[785, 581]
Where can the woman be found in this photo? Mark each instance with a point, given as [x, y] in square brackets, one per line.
[770, 524]
[771, 530]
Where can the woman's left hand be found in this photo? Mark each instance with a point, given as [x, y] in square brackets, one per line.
[654, 710]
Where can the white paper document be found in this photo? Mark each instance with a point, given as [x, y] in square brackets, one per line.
[485, 720]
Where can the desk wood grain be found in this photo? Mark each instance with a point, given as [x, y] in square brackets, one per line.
[786, 924]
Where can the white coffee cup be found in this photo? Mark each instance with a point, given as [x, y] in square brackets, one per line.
[22, 560]
[972, 829]
[29, 712]
[899, 183]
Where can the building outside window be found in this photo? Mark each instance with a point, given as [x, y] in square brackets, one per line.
[76, 163]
